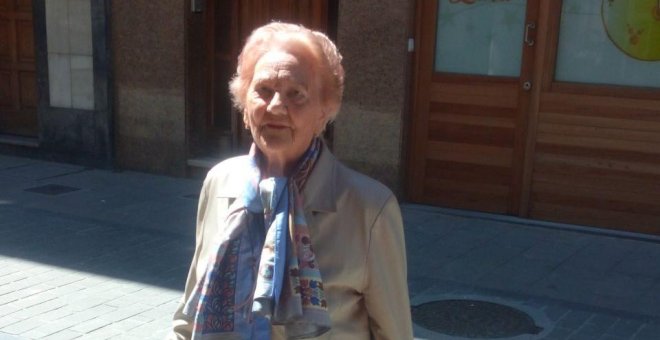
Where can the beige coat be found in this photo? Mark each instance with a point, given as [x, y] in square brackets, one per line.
[357, 233]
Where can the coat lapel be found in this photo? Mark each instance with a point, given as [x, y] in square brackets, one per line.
[320, 189]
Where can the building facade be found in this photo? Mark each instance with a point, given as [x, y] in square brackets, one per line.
[545, 109]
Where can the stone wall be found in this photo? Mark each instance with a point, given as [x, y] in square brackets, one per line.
[149, 65]
[368, 135]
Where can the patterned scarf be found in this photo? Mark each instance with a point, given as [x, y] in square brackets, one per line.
[288, 289]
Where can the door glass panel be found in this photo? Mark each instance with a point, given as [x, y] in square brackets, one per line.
[609, 42]
[481, 37]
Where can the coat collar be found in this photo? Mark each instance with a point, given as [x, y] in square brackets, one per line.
[320, 189]
[319, 192]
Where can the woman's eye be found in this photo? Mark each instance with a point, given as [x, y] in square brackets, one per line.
[265, 92]
[296, 95]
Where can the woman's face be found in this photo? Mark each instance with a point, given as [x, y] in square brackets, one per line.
[283, 108]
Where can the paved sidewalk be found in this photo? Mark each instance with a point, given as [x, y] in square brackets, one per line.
[108, 260]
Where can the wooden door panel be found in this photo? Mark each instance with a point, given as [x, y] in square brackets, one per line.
[28, 93]
[466, 148]
[5, 40]
[24, 5]
[607, 152]
[5, 91]
[25, 40]
[18, 86]
[470, 145]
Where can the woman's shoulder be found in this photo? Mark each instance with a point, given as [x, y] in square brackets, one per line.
[229, 171]
[230, 166]
[351, 179]
[360, 188]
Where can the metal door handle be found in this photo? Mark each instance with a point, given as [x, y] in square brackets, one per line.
[528, 40]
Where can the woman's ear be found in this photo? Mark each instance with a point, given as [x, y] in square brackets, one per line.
[246, 123]
[323, 121]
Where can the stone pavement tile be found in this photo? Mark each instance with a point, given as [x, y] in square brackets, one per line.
[5, 336]
[124, 312]
[612, 337]
[34, 271]
[42, 308]
[418, 285]
[86, 302]
[7, 310]
[602, 321]
[89, 314]
[558, 333]
[8, 320]
[157, 299]
[574, 319]
[124, 326]
[625, 286]
[7, 269]
[27, 297]
[648, 332]
[22, 326]
[7, 162]
[637, 262]
[38, 170]
[415, 214]
[147, 330]
[60, 278]
[45, 329]
[68, 289]
[554, 312]
[55, 314]
[91, 325]
[65, 334]
[553, 250]
[102, 333]
[13, 277]
[649, 303]
[517, 274]
[588, 331]
[523, 237]
[625, 328]
[476, 263]
[600, 256]
[571, 289]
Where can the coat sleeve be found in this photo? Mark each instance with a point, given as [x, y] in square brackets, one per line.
[386, 288]
[182, 324]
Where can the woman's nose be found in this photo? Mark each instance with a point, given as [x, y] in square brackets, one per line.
[276, 105]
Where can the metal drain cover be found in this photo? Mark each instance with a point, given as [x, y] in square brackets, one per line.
[473, 319]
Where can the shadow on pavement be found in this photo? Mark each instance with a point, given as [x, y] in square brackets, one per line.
[150, 256]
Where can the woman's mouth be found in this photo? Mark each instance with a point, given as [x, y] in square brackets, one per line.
[276, 126]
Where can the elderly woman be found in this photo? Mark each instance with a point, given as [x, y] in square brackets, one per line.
[291, 243]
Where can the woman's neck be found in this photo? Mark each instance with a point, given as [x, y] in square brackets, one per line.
[274, 166]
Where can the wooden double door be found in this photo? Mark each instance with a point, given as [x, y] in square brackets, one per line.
[536, 109]
[217, 128]
[473, 80]
[18, 86]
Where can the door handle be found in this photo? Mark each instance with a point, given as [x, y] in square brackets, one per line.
[528, 39]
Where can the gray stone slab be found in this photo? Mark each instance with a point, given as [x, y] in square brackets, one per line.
[648, 332]
[625, 328]
[7, 162]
